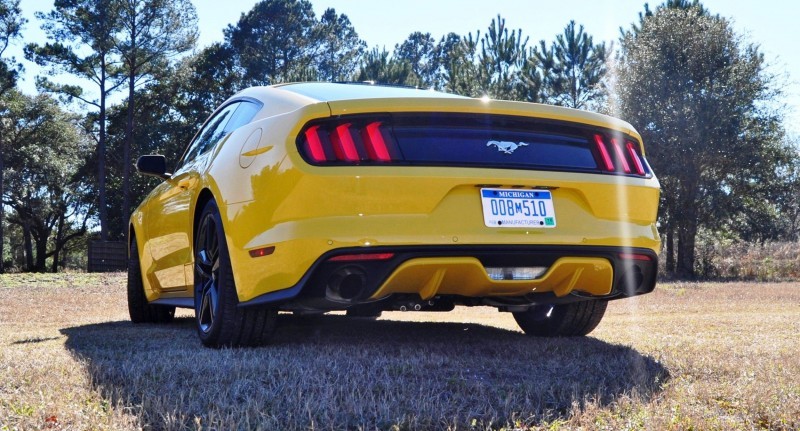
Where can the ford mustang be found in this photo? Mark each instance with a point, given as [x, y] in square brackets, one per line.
[315, 197]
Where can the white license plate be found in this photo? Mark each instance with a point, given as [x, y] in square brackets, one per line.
[518, 208]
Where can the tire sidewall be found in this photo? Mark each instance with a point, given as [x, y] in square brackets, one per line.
[135, 286]
[226, 290]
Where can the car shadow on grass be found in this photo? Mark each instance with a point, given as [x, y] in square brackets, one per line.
[339, 372]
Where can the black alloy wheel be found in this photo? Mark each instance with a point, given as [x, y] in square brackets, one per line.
[207, 273]
[220, 321]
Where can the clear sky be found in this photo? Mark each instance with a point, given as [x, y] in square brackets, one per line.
[772, 24]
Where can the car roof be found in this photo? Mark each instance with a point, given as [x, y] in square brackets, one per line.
[342, 98]
[327, 91]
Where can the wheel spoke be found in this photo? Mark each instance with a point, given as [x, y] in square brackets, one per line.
[208, 305]
[212, 247]
[207, 268]
[203, 264]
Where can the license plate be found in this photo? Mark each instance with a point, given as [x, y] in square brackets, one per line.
[518, 208]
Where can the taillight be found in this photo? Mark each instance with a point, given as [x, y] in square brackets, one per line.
[621, 157]
[614, 157]
[637, 162]
[351, 142]
[313, 145]
[343, 145]
[605, 158]
[375, 143]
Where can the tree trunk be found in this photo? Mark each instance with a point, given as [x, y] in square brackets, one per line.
[2, 211]
[41, 253]
[670, 251]
[126, 157]
[54, 265]
[101, 159]
[58, 243]
[28, 246]
[687, 236]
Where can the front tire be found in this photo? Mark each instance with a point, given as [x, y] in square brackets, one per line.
[219, 319]
[562, 320]
[140, 310]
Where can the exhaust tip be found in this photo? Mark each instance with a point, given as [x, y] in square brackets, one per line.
[346, 284]
[632, 279]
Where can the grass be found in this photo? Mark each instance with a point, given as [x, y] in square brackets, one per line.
[688, 356]
[721, 259]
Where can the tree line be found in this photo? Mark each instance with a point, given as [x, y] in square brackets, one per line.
[699, 94]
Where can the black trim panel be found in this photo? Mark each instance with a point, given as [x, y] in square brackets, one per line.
[631, 277]
[175, 302]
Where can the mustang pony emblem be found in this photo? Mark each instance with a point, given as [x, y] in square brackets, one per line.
[507, 147]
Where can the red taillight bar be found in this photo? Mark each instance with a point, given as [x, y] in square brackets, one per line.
[635, 256]
[628, 160]
[360, 257]
[351, 142]
[635, 157]
[601, 147]
[314, 145]
[621, 156]
[343, 144]
[376, 146]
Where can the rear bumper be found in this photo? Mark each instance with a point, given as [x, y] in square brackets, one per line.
[573, 273]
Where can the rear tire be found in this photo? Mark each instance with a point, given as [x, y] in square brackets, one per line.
[562, 320]
[140, 310]
[219, 319]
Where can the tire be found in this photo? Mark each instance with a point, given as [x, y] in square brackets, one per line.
[219, 319]
[139, 309]
[562, 320]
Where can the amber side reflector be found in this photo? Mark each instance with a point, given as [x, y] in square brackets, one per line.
[361, 257]
[266, 251]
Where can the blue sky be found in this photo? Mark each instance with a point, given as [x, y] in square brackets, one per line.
[770, 23]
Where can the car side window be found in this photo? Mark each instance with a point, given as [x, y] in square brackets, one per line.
[243, 115]
[212, 132]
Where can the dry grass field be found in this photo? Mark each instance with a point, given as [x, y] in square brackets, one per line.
[689, 356]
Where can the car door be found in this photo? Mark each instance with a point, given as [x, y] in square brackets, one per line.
[170, 211]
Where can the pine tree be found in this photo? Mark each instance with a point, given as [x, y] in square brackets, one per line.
[83, 31]
[579, 67]
[503, 54]
[150, 32]
[11, 23]
[339, 47]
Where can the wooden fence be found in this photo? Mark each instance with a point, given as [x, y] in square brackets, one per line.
[108, 256]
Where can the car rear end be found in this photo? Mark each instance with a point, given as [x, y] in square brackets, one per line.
[428, 202]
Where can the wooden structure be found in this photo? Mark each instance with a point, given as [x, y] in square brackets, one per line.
[108, 256]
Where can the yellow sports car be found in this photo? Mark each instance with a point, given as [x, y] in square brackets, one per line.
[313, 197]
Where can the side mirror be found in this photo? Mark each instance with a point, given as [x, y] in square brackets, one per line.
[154, 165]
